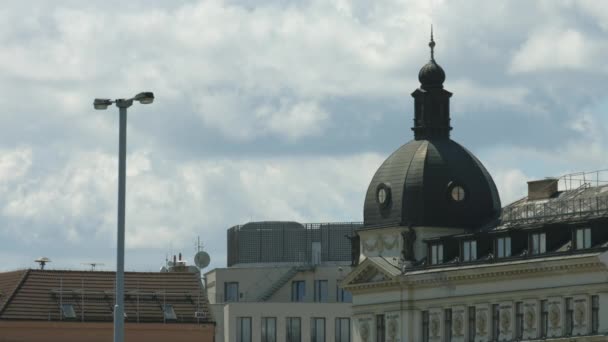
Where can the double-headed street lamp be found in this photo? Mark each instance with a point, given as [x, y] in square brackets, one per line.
[122, 104]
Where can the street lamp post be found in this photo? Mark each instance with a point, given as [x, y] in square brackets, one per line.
[122, 104]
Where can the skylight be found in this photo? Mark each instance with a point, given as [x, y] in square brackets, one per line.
[169, 312]
[67, 310]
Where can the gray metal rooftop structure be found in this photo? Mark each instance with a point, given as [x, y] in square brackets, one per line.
[576, 197]
[290, 242]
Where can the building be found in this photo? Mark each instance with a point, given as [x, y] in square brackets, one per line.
[281, 283]
[57, 305]
[441, 260]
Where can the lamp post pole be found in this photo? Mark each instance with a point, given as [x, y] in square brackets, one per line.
[119, 308]
[122, 104]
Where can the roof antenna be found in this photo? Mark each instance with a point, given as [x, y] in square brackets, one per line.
[432, 45]
[42, 261]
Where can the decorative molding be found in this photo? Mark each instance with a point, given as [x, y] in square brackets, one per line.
[530, 318]
[482, 321]
[442, 276]
[554, 316]
[505, 321]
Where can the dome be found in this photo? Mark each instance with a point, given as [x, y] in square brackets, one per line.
[431, 75]
[434, 182]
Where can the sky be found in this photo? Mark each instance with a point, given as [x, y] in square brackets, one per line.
[270, 110]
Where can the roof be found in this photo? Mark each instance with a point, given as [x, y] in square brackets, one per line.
[580, 204]
[420, 176]
[39, 294]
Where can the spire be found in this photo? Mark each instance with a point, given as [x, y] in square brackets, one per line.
[432, 45]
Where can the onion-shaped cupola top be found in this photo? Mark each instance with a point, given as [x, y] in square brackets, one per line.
[432, 180]
[431, 75]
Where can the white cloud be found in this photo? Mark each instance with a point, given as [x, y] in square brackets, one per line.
[553, 48]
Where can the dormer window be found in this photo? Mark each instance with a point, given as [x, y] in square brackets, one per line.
[436, 254]
[539, 243]
[583, 238]
[503, 247]
[469, 250]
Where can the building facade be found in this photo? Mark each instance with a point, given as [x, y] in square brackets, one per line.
[282, 283]
[441, 261]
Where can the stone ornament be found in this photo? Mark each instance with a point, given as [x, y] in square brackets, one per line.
[554, 316]
[380, 243]
[435, 326]
[579, 314]
[481, 323]
[364, 331]
[458, 325]
[505, 321]
[530, 318]
[392, 329]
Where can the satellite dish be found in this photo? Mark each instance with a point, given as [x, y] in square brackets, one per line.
[202, 259]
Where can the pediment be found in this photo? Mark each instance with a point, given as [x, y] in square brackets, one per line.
[367, 273]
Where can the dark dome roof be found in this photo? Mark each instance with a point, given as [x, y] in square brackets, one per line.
[431, 75]
[420, 177]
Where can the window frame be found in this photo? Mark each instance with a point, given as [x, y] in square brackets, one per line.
[240, 321]
[595, 313]
[339, 327]
[265, 336]
[472, 323]
[343, 296]
[298, 293]
[469, 250]
[313, 329]
[380, 328]
[321, 291]
[583, 238]
[425, 326]
[447, 324]
[503, 247]
[436, 253]
[227, 286]
[290, 327]
[538, 243]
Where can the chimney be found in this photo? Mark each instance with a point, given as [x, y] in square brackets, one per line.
[542, 189]
[180, 256]
[174, 261]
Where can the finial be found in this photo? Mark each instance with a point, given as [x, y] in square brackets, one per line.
[432, 44]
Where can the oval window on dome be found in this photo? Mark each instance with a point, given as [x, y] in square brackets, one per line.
[383, 195]
[458, 193]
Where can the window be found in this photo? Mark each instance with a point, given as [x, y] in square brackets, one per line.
[425, 326]
[269, 329]
[457, 193]
[495, 322]
[436, 254]
[317, 329]
[469, 250]
[321, 291]
[294, 331]
[343, 296]
[243, 329]
[544, 318]
[231, 292]
[472, 324]
[503, 247]
[539, 243]
[569, 317]
[595, 313]
[342, 329]
[298, 291]
[168, 312]
[448, 325]
[519, 320]
[380, 328]
[583, 238]
[67, 311]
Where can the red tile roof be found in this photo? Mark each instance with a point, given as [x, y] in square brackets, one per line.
[40, 293]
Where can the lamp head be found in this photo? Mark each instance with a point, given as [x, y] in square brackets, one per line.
[101, 103]
[146, 97]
